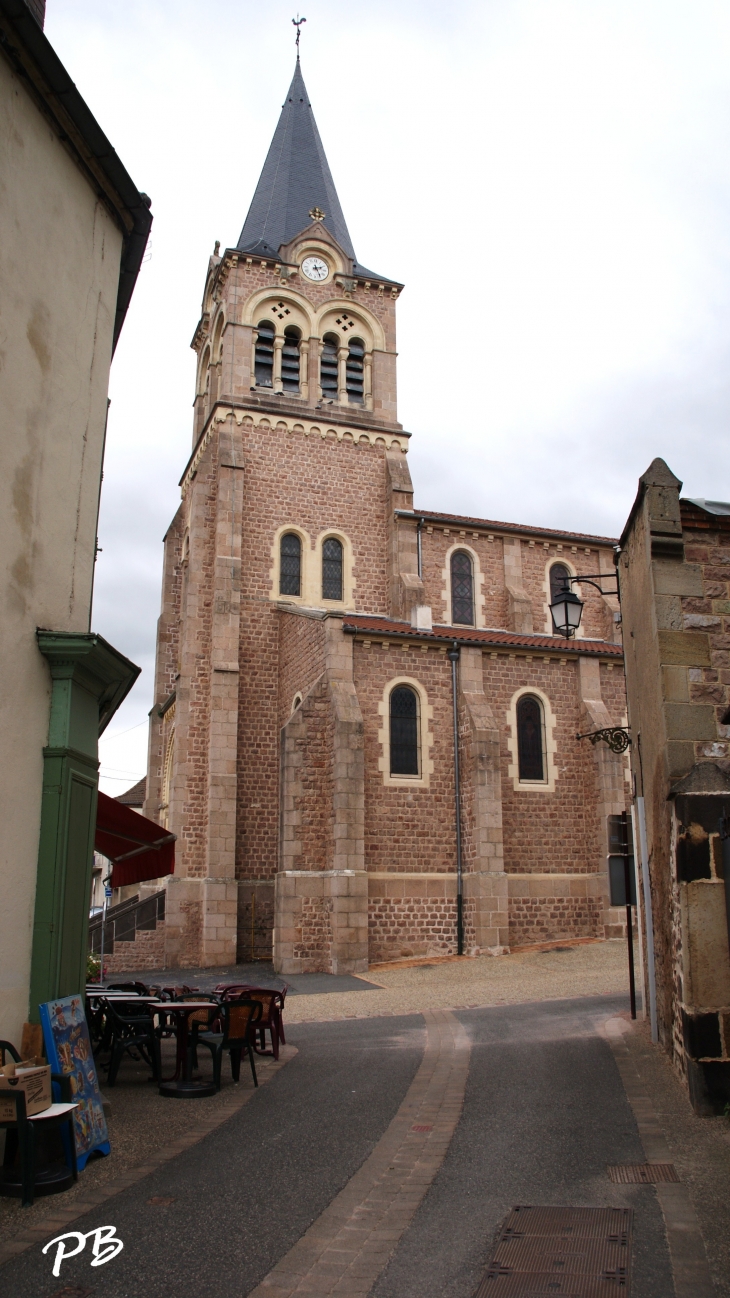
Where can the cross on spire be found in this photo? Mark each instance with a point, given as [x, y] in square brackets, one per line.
[298, 24]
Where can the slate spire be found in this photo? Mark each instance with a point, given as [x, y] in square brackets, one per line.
[295, 179]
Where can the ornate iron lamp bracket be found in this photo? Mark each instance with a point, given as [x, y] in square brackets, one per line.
[617, 738]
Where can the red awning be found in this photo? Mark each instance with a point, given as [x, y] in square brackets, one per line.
[137, 847]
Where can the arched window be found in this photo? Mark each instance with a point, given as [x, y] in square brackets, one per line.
[290, 360]
[290, 565]
[531, 759]
[265, 354]
[328, 366]
[356, 371]
[404, 731]
[332, 568]
[462, 589]
[559, 580]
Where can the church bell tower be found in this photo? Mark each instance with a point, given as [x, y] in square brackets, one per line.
[287, 505]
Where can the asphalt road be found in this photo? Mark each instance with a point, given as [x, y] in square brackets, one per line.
[544, 1112]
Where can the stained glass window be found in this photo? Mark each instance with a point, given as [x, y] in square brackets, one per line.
[403, 731]
[290, 565]
[529, 739]
[462, 589]
[332, 569]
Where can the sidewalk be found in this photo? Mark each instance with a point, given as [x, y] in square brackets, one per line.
[593, 969]
[698, 1147]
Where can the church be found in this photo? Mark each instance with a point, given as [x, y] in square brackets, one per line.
[365, 725]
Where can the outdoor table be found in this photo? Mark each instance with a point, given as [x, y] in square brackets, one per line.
[183, 1088]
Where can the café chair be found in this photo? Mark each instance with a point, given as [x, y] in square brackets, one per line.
[21, 1132]
[239, 1019]
[136, 988]
[128, 1030]
[272, 1006]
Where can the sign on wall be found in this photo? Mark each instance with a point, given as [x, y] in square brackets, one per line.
[68, 1050]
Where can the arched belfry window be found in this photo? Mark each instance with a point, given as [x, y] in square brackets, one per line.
[290, 360]
[559, 581]
[404, 745]
[332, 568]
[462, 589]
[356, 370]
[265, 354]
[530, 747]
[328, 366]
[290, 565]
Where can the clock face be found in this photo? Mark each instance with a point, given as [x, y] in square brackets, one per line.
[315, 268]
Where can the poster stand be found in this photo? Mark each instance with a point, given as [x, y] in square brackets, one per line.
[68, 1050]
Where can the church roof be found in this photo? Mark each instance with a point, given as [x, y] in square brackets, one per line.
[366, 624]
[295, 179]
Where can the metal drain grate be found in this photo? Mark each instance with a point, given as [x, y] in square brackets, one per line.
[421, 1126]
[561, 1253]
[642, 1173]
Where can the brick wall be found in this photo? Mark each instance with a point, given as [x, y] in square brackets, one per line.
[437, 540]
[301, 658]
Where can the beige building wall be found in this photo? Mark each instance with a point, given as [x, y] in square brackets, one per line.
[60, 255]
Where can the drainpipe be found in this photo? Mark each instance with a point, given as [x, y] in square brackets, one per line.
[453, 653]
[419, 545]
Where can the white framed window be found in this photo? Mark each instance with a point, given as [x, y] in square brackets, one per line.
[531, 741]
[457, 580]
[406, 734]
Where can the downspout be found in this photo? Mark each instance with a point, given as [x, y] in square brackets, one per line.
[453, 653]
[419, 546]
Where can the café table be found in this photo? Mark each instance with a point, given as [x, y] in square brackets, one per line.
[184, 1088]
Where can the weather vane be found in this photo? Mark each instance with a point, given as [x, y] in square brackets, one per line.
[298, 23]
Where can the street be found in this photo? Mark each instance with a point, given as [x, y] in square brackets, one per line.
[544, 1111]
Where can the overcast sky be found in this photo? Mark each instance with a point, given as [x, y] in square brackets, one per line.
[549, 179]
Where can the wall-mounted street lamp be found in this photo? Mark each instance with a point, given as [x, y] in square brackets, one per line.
[566, 609]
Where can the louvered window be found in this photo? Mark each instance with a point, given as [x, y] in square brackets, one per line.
[529, 739]
[328, 366]
[290, 360]
[290, 565]
[559, 581]
[356, 371]
[332, 569]
[265, 354]
[403, 731]
[462, 589]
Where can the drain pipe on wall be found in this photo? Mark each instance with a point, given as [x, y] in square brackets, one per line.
[419, 546]
[453, 653]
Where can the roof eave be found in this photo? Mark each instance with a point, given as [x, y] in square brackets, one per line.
[491, 525]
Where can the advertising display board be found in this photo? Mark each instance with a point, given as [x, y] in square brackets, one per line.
[68, 1050]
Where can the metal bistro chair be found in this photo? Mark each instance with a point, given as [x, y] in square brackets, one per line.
[21, 1135]
[129, 1030]
[239, 1019]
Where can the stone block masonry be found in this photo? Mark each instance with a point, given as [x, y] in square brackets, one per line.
[270, 735]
